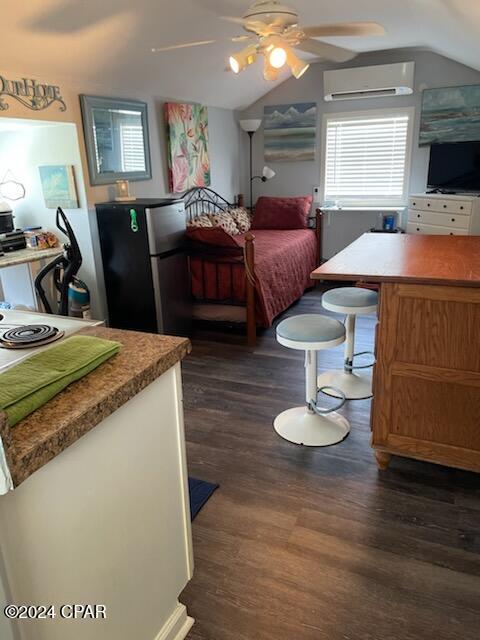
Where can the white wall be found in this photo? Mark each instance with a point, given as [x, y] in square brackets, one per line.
[224, 148]
[299, 178]
[23, 151]
[224, 136]
[224, 157]
[90, 526]
[225, 152]
[6, 629]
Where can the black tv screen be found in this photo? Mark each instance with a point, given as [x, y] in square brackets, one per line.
[455, 167]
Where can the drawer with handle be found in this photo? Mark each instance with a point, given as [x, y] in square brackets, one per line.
[430, 229]
[439, 219]
[442, 205]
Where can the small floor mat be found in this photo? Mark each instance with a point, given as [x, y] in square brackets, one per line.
[200, 491]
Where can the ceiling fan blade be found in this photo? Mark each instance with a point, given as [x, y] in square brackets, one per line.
[184, 45]
[326, 51]
[345, 29]
[233, 19]
[242, 38]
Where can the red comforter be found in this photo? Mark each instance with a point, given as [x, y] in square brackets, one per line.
[283, 263]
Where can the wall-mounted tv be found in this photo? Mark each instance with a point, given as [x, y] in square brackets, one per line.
[455, 168]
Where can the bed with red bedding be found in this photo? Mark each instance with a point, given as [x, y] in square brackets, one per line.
[278, 274]
[284, 260]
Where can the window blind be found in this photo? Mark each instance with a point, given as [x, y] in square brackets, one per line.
[366, 159]
[133, 153]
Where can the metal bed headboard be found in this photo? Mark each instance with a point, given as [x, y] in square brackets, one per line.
[200, 200]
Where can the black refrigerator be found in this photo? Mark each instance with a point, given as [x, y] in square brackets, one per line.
[145, 265]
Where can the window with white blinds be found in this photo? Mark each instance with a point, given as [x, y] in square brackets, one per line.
[367, 158]
[132, 148]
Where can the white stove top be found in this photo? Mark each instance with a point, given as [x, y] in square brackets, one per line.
[10, 318]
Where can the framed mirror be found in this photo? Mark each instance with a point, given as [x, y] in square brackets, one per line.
[116, 137]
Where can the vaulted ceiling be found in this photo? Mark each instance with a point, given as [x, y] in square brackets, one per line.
[108, 42]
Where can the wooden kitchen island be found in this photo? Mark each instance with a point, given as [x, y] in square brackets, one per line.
[426, 378]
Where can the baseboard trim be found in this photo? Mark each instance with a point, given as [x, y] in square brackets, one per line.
[177, 626]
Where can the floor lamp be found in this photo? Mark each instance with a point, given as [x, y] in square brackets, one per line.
[250, 127]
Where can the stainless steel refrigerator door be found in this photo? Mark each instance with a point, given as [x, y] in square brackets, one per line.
[166, 227]
[173, 302]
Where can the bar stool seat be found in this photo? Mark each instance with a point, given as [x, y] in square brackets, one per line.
[351, 301]
[310, 331]
[310, 424]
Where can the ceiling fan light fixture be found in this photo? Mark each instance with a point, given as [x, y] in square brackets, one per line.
[297, 66]
[269, 73]
[241, 60]
[277, 57]
[299, 70]
[234, 64]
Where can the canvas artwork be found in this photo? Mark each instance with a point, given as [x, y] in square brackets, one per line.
[450, 114]
[58, 186]
[290, 132]
[188, 159]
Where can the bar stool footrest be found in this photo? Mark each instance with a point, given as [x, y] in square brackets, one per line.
[354, 386]
[337, 393]
[353, 367]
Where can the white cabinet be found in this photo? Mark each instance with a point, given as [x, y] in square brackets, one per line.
[107, 521]
[438, 214]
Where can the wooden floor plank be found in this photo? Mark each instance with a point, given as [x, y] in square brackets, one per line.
[302, 543]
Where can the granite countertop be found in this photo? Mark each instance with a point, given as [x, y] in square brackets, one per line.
[46, 432]
[22, 256]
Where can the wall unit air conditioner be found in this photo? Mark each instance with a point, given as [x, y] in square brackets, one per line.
[378, 81]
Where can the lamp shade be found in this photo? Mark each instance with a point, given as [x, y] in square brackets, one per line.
[240, 61]
[268, 173]
[250, 125]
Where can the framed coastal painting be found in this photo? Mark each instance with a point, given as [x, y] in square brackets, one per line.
[290, 132]
[188, 158]
[450, 114]
[58, 186]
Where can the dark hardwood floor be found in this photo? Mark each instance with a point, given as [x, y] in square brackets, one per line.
[317, 544]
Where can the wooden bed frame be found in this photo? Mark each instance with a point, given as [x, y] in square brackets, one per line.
[201, 199]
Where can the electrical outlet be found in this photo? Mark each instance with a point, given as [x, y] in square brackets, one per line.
[317, 198]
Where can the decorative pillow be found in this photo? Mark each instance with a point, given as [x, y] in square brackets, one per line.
[224, 220]
[200, 221]
[242, 218]
[214, 235]
[282, 213]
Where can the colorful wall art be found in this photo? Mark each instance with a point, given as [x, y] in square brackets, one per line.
[188, 159]
[58, 186]
[290, 132]
[450, 114]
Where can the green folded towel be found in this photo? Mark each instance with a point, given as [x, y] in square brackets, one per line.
[36, 380]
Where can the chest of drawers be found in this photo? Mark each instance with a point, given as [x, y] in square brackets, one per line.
[438, 214]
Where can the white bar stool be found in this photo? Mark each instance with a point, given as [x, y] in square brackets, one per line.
[311, 425]
[351, 301]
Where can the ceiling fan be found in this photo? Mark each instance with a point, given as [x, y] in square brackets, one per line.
[275, 33]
